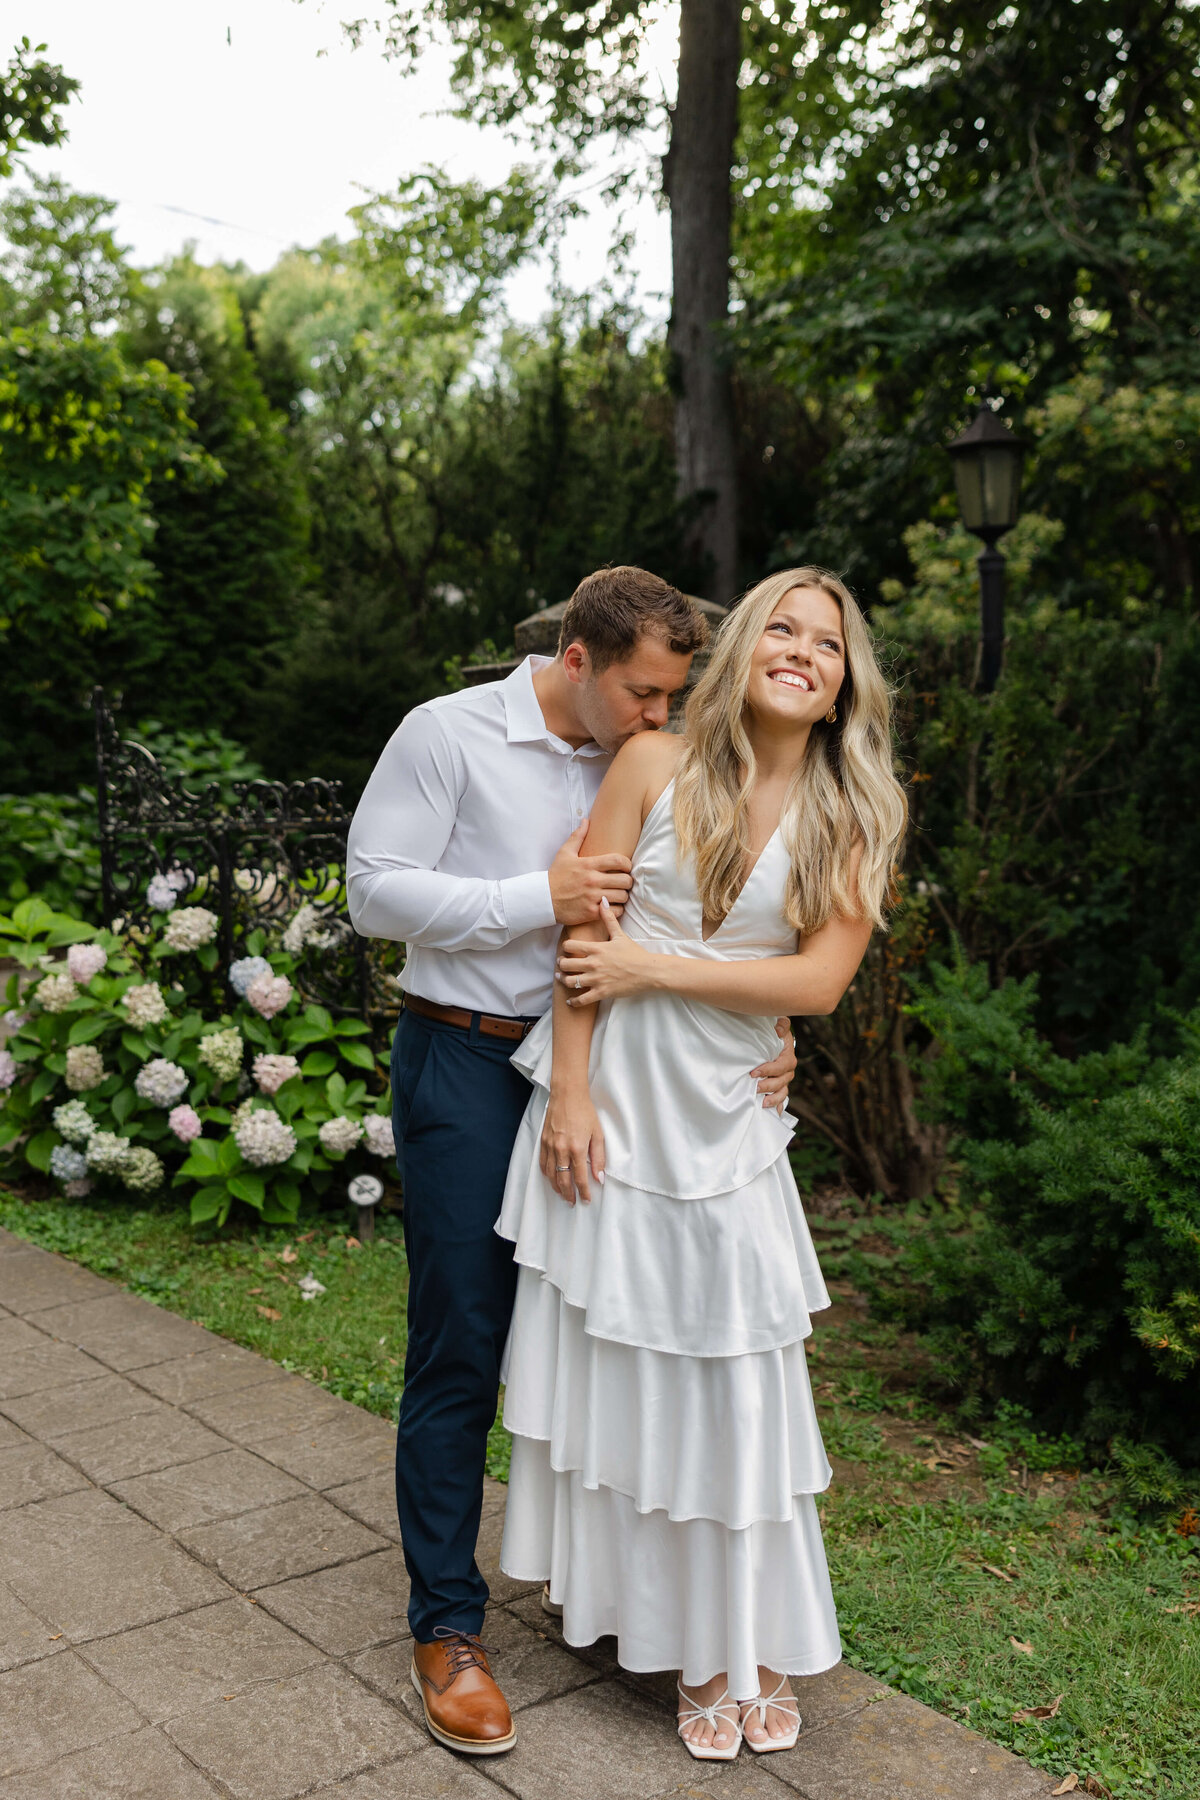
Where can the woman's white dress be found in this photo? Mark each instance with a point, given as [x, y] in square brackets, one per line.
[665, 1445]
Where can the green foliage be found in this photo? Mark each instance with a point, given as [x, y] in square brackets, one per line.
[339, 1075]
[32, 94]
[50, 844]
[1073, 1283]
[64, 269]
[84, 435]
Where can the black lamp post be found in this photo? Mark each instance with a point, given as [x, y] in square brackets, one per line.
[987, 473]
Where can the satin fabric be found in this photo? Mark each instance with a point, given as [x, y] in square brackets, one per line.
[666, 1449]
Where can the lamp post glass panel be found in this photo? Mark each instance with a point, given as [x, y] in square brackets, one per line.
[987, 474]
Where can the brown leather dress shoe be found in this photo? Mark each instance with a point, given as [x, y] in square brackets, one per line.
[464, 1709]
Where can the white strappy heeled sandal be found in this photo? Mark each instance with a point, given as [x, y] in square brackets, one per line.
[716, 1716]
[782, 1701]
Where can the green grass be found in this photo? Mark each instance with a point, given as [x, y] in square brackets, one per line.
[917, 1523]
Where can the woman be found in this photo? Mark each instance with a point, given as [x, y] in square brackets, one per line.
[665, 1446]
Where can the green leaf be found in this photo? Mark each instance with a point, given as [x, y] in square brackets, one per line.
[289, 1099]
[318, 1063]
[37, 1150]
[123, 1104]
[229, 1157]
[335, 1089]
[287, 1195]
[137, 1046]
[207, 1203]
[356, 1093]
[351, 1028]
[172, 1044]
[204, 1159]
[248, 1187]
[9, 1129]
[317, 1015]
[359, 1054]
[255, 943]
[41, 1085]
[92, 1025]
[302, 1031]
[256, 1030]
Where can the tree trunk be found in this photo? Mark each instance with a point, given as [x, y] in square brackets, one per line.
[696, 179]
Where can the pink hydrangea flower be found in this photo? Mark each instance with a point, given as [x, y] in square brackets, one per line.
[185, 1123]
[84, 961]
[269, 994]
[8, 1068]
[271, 1072]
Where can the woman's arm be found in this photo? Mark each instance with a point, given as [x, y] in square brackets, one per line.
[572, 1140]
[809, 983]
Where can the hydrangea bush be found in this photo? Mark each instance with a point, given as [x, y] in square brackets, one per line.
[118, 1074]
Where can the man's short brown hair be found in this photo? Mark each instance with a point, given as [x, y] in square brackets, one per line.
[610, 610]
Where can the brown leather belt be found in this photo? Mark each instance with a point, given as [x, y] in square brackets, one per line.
[489, 1025]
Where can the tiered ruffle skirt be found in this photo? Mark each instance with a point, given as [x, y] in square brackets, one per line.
[665, 1444]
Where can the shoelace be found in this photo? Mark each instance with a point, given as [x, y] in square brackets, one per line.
[463, 1651]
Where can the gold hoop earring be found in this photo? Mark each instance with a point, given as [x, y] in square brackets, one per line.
[831, 715]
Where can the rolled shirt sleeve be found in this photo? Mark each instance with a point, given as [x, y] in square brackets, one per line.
[400, 831]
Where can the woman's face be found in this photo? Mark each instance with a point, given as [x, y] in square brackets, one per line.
[799, 663]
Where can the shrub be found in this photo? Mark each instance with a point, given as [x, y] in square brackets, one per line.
[1075, 1284]
[120, 1061]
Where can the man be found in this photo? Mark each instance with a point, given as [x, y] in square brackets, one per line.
[455, 851]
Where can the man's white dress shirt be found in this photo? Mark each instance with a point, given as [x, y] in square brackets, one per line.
[453, 838]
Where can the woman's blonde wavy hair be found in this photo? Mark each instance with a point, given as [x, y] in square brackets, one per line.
[843, 793]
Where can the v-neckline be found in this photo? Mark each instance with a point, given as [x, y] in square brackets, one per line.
[750, 874]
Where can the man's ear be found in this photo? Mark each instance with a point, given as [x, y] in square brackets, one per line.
[576, 661]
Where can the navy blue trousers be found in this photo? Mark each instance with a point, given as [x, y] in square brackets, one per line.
[456, 1105]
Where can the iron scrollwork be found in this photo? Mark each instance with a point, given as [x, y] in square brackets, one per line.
[253, 852]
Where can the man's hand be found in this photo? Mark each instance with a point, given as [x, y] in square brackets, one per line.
[579, 883]
[775, 1078]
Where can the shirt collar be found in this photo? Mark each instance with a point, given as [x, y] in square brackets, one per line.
[523, 714]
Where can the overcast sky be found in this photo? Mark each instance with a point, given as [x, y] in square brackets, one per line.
[250, 125]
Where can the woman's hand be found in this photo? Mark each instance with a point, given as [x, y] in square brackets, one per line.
[592, 972]
[572, 1145]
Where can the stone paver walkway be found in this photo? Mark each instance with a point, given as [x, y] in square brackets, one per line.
[202, 1593]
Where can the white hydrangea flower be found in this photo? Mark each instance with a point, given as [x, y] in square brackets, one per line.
[161, 1082]
[85, 1068]
[13, 1020]
[8, 1069]
[144, 1004]
[246, 970]
[56, 992]
[67, 1164]
[311, 927]
[340, 1135]
[269, 994]
[264, 1139]
[85, 961]
[190, 928]
[271, 1072]
[142, 1171]
[160, 893]
[73, 1121]
[107, 1153]
[259, 886]
[310, 1287]
[221, 1051]
[380, 1138]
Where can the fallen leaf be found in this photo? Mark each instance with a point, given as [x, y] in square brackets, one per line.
[1025, 1649]
[1093, 1785]
[55, 1638]
[941, 1465]
[268, 1312]
[993, 1570]
[1188, 1606]
[1039, 1712]
[978, 1443]
[1067, 1785]
[307, 1237]
[280, 1276]
[353, 1243]
[254, 1290]
[287, 1254]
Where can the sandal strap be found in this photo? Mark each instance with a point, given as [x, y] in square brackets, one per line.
[780, 1700]
[714, 1715]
